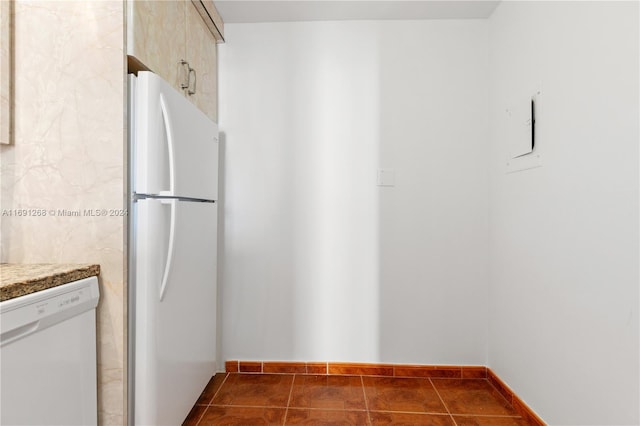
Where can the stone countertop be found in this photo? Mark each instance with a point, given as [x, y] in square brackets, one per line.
[17, 279]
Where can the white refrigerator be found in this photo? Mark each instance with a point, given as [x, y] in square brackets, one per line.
[172, 254]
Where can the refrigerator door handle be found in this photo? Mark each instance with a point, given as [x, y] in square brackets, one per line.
[168, 131]
[172, 231]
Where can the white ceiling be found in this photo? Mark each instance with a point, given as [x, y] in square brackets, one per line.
[243, 11]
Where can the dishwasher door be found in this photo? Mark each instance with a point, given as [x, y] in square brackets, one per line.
[48, 356]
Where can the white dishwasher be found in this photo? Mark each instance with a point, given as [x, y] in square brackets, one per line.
[48, 356]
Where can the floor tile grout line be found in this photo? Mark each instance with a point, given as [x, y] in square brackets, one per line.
[502, 416]
[202, 415]
[443, 403]
[279, 407]
[273, 407]
[367, 410]
[366, 403]
[286, 412]
[479, 415]
[212, 398]
[219, 389]
[428, 413]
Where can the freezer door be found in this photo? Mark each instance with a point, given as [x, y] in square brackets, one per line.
[175, 307]
[175, 145]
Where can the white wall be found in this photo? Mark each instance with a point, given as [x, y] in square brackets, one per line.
[318, 262]
[563, 315]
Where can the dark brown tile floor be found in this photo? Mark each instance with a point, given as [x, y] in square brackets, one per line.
[299, 399]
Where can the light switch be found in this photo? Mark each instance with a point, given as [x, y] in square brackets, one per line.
[521, 125]
[386, 177]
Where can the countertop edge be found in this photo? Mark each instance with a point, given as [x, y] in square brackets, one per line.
[43, 282]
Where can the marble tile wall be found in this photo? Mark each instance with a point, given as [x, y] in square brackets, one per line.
[63, 180]
[5, 70]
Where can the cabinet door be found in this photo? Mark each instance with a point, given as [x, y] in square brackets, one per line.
[202, 57]
[156, 37]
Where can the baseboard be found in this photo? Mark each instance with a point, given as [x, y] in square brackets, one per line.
[518, 404]
[390, 370]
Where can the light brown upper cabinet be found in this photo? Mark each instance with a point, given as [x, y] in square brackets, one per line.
[202, 52]
[177, 40]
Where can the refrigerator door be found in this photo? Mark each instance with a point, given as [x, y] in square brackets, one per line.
[175, 299]
[175, 145]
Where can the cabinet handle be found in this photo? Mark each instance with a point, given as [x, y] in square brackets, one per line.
[185, 65]
[189, 91]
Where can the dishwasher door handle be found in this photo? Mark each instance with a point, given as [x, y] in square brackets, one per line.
[18, 332]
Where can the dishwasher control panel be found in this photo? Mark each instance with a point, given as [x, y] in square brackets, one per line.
[27, 314]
